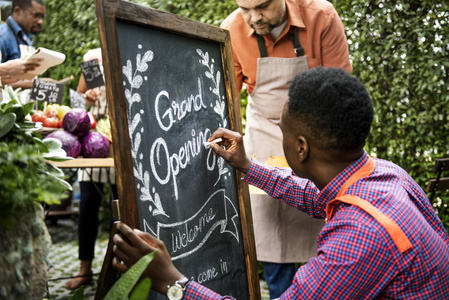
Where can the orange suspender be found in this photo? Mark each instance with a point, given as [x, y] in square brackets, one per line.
[395, 232]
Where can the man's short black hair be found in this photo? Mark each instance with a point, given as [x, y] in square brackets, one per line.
[26, 3]
[333, 106]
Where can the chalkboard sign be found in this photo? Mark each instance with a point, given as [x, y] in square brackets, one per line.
[47, 91]
[77, 100]
[92, 74]
[170, 83]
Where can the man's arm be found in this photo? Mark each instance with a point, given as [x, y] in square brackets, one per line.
[283, 184]
[279, 183]
[335, 52]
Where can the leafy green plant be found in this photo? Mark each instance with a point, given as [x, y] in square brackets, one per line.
[127, 283]
[399, 50]
[26, 177]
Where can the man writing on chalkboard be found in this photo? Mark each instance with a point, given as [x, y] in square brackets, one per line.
[382, 237]
[273, 40]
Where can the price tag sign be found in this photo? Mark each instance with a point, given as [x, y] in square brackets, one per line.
[47, 91]
[92, 74]
[77, 100]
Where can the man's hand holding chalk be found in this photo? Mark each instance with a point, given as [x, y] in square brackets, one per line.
[207, 144]
[234, 150]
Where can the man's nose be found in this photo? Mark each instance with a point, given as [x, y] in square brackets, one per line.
[255, 16]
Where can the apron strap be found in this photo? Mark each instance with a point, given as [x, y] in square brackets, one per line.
[397, 235]
[299, 50]
[261, 44]
[13, 32]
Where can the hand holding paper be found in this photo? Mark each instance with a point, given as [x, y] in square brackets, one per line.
[49, 59]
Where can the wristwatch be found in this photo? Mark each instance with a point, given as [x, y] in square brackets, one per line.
[176, 291]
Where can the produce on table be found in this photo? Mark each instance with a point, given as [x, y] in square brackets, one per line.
[38, 116]
[104, 127]
[95, 145]
[51, 111]
[62, 110]
[93, 121]
[76, 137]
[70, 142]
[51, 122]
[76, 121]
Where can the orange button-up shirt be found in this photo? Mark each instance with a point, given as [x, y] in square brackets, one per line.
[320, 31]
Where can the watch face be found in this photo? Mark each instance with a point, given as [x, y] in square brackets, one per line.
[175, 292]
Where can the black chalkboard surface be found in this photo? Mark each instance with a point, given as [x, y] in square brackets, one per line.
[171, 81]
[92, 74]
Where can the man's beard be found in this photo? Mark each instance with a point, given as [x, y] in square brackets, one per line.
[265, 30]
[270, 27]
[35, 29]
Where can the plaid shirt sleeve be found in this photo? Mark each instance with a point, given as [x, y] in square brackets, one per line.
[196, 291]
[283, 184]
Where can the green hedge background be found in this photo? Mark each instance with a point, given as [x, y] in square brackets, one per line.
[399, 49]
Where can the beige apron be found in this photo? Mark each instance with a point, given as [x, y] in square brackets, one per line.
[283, 234]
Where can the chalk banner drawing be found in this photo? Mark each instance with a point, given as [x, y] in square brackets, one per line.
[187, 196]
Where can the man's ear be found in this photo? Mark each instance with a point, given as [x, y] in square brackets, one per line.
[302, 147]
[17, 10]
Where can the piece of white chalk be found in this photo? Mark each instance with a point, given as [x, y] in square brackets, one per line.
[207, 144]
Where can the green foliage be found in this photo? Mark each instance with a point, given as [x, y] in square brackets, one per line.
[399, 50]
[205, 11]
[123, 287]
[25, 176]
[125, 284]
[70, 28]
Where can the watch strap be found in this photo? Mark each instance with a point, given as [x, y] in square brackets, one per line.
[183, 282]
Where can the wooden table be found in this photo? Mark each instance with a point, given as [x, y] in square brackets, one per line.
[107, 162]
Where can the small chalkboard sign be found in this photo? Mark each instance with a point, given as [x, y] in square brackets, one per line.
[47, 91]
[92, 74]
[77, 100]
[170, 83]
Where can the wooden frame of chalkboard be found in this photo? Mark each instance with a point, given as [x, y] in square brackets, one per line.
[170, 83]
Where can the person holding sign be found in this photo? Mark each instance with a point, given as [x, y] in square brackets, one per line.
[271, 42]
[382, 237]
[91, 182]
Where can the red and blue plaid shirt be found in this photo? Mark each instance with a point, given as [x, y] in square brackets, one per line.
[357, 259]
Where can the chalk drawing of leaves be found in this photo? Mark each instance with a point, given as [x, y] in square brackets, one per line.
[136, 145]
[142, 65]
[134, 123]
[128, 70]
[136, 80]
[159, 209]
[217, 80]
[205, 57]
[146, 196]
[220, 105]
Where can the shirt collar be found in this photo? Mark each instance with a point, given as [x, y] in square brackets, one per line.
[330, 191]
[19, 31]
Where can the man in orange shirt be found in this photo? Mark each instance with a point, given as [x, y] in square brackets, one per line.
[273, 40]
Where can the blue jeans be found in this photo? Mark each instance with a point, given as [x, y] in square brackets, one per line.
[278, 277]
